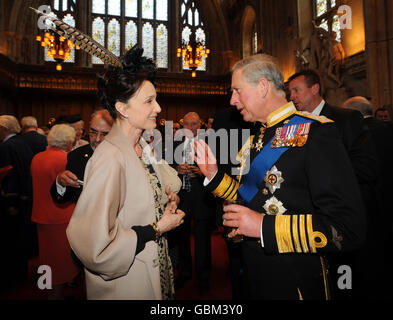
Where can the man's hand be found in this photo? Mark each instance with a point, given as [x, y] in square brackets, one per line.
[67, 179]
[247, 221]
[194, 171]
[182, 168]
[205, 159]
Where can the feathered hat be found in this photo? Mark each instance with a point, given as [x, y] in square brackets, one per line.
[77, 37]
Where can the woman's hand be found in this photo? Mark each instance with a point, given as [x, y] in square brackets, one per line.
[205, 159]
[171, 219]
[172, 197]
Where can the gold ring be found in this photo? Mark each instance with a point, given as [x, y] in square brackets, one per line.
[235, 232]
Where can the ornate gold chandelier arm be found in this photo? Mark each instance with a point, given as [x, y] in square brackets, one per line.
[82, 40]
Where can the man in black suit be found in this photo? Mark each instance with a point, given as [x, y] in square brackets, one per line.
[305, 90]
[378, 257]
[67, 186]
[37, 142]
[15, 199]
[197, 203]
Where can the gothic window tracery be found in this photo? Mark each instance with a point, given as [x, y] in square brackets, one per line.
[120, 24]
[192, 26]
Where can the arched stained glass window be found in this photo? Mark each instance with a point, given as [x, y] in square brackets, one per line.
[162, 45]
[123, 23]
[98, 33]
[192, 28]
[147, 40]
[131, 34]
[66, 11]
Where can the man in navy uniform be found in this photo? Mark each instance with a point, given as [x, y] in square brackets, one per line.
[297, 204]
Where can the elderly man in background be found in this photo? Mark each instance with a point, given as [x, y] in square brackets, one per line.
[198, 203]
[15, 200]
[36, 141]
[68, 183]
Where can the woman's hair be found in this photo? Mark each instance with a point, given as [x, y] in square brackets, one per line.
[60, 136]
[120, 84]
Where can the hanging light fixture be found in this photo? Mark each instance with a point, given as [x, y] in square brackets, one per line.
[58, 47]
[193, 52]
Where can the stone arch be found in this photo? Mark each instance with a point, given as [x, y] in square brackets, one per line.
[247, 26]
[21, 35]
[218, 35]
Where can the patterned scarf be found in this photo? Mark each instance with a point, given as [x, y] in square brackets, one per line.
[166, 270]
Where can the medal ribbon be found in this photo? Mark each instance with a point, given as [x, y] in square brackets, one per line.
[264, 161]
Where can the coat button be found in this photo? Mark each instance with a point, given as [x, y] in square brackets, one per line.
[155, 263]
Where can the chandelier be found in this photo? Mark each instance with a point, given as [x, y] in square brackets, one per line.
[58, 47]
[193, 53]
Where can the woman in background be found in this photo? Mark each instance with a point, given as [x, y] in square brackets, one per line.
[119, 224]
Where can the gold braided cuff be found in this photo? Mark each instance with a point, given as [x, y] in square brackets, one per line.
[283, 234]
[158, 233]
[294, 233]
[227, 189]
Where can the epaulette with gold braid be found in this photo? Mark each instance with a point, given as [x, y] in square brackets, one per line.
[306, 114]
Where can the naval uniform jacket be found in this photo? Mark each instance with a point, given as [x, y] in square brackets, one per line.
[321, 211]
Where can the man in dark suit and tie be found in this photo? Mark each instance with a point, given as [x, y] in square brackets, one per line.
[197, 203]
[305, 89]
[67, 186]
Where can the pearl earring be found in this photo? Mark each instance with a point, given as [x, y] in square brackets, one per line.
[126, 116]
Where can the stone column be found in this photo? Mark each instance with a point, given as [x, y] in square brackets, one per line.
[379, 48]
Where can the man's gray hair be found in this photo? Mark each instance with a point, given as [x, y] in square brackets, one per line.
[361, 104]
[261, 66]
[10, 123]
[28, 122]
[60, 136]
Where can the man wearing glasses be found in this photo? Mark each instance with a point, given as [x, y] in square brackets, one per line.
[68, 184]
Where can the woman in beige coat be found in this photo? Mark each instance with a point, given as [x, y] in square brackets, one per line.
[118, 229]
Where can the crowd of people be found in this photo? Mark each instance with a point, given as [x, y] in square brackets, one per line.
[314, 197]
